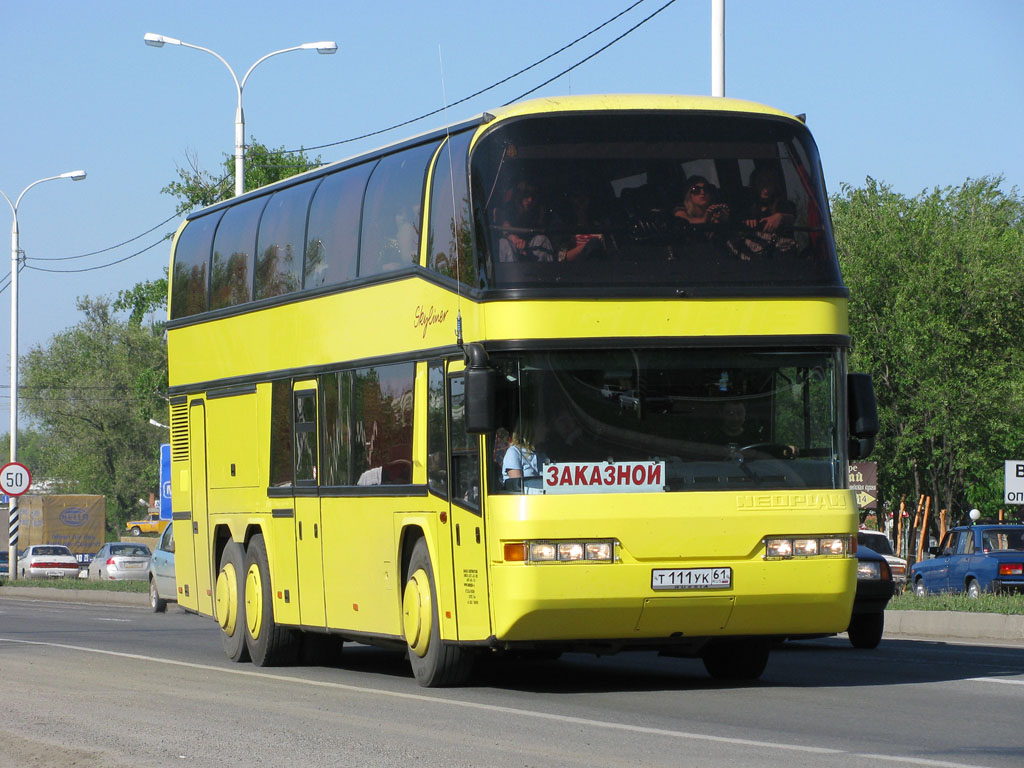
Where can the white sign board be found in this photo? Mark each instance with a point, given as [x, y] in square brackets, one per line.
[15, 479]
[1013, 487]
[605, 477]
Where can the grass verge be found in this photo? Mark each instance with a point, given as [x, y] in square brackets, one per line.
[83, 584]
[1011, 605]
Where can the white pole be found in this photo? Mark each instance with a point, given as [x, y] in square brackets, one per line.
[158, 41]
[13, 522]
[718, 48]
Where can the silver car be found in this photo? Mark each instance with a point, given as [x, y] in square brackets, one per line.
[117, 561]
[163, 587]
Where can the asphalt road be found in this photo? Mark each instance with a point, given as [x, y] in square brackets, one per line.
[93, 685]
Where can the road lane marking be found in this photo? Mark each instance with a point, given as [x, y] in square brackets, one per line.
[995, 680]
[537, 715]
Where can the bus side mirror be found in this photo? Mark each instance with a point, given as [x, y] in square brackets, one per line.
[863, 414]
[481, 390]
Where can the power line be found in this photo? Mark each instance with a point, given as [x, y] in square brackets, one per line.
[494, 85]
[100, 266]
[110, 248]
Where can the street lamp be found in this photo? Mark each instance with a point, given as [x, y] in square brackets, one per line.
[158, 41]
[15, 251]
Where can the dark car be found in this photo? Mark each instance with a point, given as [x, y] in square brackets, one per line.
[875, 588]
[973, 559]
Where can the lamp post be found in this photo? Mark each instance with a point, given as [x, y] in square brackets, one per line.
[324, 47]
[12, 546]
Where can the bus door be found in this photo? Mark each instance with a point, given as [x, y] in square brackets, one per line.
[308, 522]
[461, 482]
[197, 595]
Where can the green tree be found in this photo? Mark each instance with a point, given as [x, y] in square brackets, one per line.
[92, 390]
[936, 314]
[32, 452]
[196, 188]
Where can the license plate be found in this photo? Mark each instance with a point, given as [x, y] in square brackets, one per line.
[133, 565]
[691, 578]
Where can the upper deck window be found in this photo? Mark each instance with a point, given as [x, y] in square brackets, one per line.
[233, 249]
[280, 242]
[717, 202]
[451, 240]
[393, 212]
[333, 241]
[190, 282]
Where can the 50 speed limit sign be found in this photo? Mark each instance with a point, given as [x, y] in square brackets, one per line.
[15, 479]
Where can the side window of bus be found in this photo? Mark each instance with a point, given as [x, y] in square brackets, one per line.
[281, 434]
[332, 240]
[437, 439]
[279, 246]
[305, 437]
[233, 248]
[382, 421]
[336, 451]
[451, 238]
[465, 453]
[393, 213]
[190, 286]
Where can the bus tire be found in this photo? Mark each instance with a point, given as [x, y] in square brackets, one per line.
[229, 606]
[269, 644]
[434, 663]
[737, 659]
[157, 603]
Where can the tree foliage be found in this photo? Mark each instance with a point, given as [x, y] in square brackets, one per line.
[196, 188]
[936, 315]
[92, 390]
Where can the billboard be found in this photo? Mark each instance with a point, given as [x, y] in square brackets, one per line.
[864, 482]
[76, 521]
[165, 481]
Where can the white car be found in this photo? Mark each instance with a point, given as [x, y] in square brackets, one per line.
[879, 542]
[47, 561]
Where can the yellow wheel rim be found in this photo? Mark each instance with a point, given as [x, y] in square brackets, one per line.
[254, 600]
[418, 613]
[227, 598]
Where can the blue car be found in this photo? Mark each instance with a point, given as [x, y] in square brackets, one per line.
[973, 559]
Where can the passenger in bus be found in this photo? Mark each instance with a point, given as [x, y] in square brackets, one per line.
[769, 219]
[582, 237]
[770, 211]
[700, 203]
[522, 459]
[521, 223]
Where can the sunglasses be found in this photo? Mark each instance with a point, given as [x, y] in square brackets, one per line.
[699, 189]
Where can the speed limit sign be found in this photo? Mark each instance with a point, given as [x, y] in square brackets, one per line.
[15, 479]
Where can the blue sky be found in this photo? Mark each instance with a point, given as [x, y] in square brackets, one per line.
[915, 93]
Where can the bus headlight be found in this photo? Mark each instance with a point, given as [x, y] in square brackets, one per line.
[788, 547]
[563, 551]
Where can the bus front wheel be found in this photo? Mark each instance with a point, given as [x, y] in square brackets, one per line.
[434, 663]
[230, 610]
[269, 643]
[737, 659]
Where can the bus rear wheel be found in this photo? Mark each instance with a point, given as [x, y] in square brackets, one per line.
[269, 643]
[230, 610]
[737, 659]
[434, 663]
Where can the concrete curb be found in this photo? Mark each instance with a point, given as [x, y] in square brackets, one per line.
[955, 625]
[95, 596]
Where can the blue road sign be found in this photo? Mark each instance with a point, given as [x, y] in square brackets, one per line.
[165, 481]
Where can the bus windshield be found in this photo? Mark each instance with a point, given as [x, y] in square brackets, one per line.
[667, 420]
[702, 203]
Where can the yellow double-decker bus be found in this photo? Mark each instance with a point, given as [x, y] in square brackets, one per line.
[567, 376]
